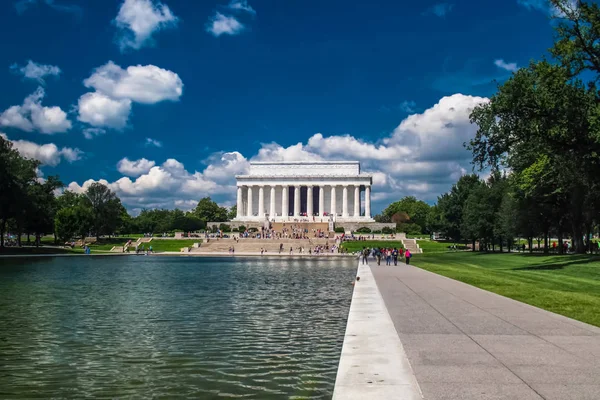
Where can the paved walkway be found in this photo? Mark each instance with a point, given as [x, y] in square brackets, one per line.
[465, 343]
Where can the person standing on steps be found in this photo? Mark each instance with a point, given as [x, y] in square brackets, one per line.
[407, 255]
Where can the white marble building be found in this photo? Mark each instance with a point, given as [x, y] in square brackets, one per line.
[307, 191]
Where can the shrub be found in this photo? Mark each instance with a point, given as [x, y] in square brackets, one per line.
[235, 230]
[225, 228]
[387, 230]
[242, 228]
[377, 231]
[252, 229]
[364, 229]
[339, 229]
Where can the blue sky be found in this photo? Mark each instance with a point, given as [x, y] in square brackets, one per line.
[167, 101]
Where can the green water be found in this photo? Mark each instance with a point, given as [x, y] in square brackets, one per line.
[141, 327]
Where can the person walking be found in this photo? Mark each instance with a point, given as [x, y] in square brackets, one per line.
[365, 254]
[395, 256]
[378, 255]
[407, 256]
[388, 257]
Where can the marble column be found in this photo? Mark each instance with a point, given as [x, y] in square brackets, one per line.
[249, 214]
[272, 200]
[240, 202]
[285, 204]
[333, 201]
[261, 201]
[296, 201]
[345, 201]
[309, 202]
[368, 201]
[321, 200]
[356, 201]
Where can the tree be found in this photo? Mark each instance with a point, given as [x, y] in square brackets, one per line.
[232, 212]
[106, 209]
[41, 206]
[65, 224]
[452, 203]
[16, 174]
[541, 123]
[209, 211]
[416, 210]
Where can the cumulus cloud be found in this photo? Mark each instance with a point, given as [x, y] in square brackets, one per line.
[423, 156]
[47, 154]
[100, 110]
[221, 24]
[116, 88]
[90, 133]
[500, 63]
[32, 116]
[138, 20]
[241, 5]
[153, 142]
[147, 84]
[134, 168]
[35, 71]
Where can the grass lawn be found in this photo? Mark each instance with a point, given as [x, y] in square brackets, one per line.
[567, 285]
[432, 246]
[359, 244]
[171, 244]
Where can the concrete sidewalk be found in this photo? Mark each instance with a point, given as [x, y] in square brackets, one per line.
[465, 343]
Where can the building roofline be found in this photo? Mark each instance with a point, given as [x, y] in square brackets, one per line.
[302, 162]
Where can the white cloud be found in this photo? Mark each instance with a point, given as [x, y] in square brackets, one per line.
[147, 84]
[241, 5]
[100, 110]
[90, 133]
[134, 168]
[153, 142]
[548, 8]
[423, 157]
[35, 71]
[116, 88]
[47, 154]
[500, 63]
[221, 24]
[33, 116]
[137, 21]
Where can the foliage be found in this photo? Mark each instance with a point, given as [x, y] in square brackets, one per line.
[209, 211]
[408, 209]
[387, 230]
[339, 229]
[232, 213]
[225, 228]
[363, 229]
[357, 245]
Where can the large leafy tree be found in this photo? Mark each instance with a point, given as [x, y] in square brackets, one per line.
[209, 211]
[106, 209]
[416, 210]
[451, 205]
[16, 175]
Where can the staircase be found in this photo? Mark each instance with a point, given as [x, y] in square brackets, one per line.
[411, 244]
[249, 245]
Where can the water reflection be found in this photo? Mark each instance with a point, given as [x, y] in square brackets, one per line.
[170, 327]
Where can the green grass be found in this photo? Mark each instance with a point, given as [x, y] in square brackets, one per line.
[567, 285]
[171, 244]
[432, 246]
[359, 244]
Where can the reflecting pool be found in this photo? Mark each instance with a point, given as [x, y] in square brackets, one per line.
[135, 326]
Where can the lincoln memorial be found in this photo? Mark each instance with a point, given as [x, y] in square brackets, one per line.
[304, 191]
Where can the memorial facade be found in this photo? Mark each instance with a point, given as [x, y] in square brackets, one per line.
[315, 191]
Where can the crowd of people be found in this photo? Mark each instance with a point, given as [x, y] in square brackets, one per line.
[389, 255]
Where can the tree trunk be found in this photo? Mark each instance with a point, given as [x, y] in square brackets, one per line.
[28, 239]
[546, 242]
[473, 244]
[539, 243]
[578, 239]
[561, 244]
[500, 240]
[19, 233]
[37, 240]
[530, 240]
